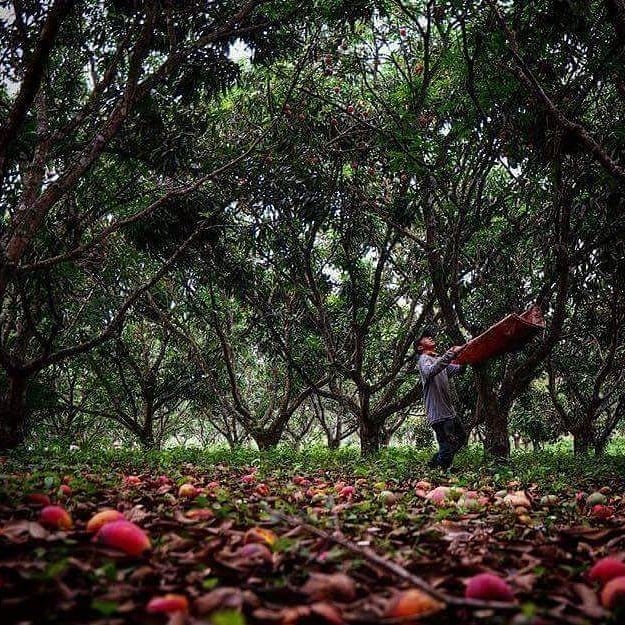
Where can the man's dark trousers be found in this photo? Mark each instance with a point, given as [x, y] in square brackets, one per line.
[450, 436]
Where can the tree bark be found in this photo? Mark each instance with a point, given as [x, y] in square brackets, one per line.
[230, 440]
[146, 434]
[600, 445]
[13, 412]
[146, 438]
[488, 412]
[267, 439]
[370, 437]
[31, 81]
[582, 441]
[333, 442]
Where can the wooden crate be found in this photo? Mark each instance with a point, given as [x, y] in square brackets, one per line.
[507, 335]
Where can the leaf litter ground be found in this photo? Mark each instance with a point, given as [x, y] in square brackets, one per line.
[328, 545]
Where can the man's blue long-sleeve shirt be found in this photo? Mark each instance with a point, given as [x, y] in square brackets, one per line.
[435, 374]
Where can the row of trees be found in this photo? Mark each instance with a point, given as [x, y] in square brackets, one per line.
[188, 240]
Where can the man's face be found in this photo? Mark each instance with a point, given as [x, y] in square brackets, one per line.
[427, 344]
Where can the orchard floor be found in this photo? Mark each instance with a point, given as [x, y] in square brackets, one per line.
[372, 522]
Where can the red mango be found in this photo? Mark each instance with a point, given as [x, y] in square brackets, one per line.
[56, 517]
[167, 604]
[125, 536]
[613, 593]
[606, 569]
[39, 498]
[488, 587]
[101, 518]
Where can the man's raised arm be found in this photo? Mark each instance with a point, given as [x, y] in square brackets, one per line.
[431, 369]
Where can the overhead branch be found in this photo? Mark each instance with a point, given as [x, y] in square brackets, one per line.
[525, 74]
[31, 81]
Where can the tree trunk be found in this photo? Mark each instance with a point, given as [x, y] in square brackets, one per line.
[582, 441]
[370, 437]
[146, 438]
[266, 439]
[497, 443]
[333, 442]
[600, 445]
[146, 435]
[496, 439]
[13, 413]
[334, 438]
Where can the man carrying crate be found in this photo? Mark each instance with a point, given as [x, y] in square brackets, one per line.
[508, 335]
[435, 372]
